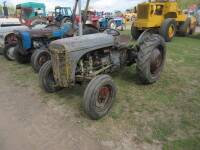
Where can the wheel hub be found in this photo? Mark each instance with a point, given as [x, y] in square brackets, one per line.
[103, 97]
[171, 31]
[42, 59]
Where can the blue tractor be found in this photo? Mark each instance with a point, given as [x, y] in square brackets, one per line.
[108, 20]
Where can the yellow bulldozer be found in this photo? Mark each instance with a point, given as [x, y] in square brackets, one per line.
[162, 16]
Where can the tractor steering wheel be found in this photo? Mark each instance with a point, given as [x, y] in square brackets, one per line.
[112, 32]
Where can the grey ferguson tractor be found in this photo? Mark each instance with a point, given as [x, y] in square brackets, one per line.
[89, 58]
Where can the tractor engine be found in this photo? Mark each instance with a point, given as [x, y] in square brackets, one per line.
[94, 62]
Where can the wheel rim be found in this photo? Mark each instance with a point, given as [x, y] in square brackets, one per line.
[113, 25]
[10, 53]
[104, 98]
[43, 59]
[156, 61]
[171, 31]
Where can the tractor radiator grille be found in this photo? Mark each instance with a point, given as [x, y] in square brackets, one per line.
[59, 69]
[143, 11]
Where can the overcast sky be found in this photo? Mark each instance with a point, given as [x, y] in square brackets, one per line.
[104, 5]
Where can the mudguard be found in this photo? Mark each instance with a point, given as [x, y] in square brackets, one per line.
[66, 53]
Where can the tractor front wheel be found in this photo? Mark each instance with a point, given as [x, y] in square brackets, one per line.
[168, 29]
[38, 59]
[99, 96]
[9, 52]
[151, 59]
[46, 78]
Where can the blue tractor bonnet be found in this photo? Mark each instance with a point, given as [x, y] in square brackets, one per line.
[62, 31]
[26, 39]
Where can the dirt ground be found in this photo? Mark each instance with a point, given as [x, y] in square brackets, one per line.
[28, 124]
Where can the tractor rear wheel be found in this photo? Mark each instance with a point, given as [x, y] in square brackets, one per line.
[168, 29]
[151, 59]
[21, 58]
[46, 78]
[99, 96]
[39, 58]
[184, 28]
[135, 32]
[9, 52]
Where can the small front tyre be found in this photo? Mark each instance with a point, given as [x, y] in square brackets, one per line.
[99, 96]
[9, 52]
[46, 78]
[38, 58]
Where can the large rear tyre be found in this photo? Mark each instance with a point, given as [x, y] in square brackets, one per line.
[135, 32]
[184, 28]
[9, 52]
[151, 59]
[168, 29]
[21, 58]
[39, 58]
[99, 96]
[46, 78]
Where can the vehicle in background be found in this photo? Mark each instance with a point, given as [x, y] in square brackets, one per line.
[130, 15]
[193, 21]
[163, 17]
[113, 21]
[31, 13]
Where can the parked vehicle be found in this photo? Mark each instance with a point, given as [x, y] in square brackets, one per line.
[31, 13]
[130, 15]
[89, 58]
[193, 20]
[108, 20]
[164, 17]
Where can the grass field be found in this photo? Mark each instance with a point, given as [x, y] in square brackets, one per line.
[165, 115]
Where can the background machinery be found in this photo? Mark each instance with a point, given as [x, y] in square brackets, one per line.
[164, 17]
[31, 13]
